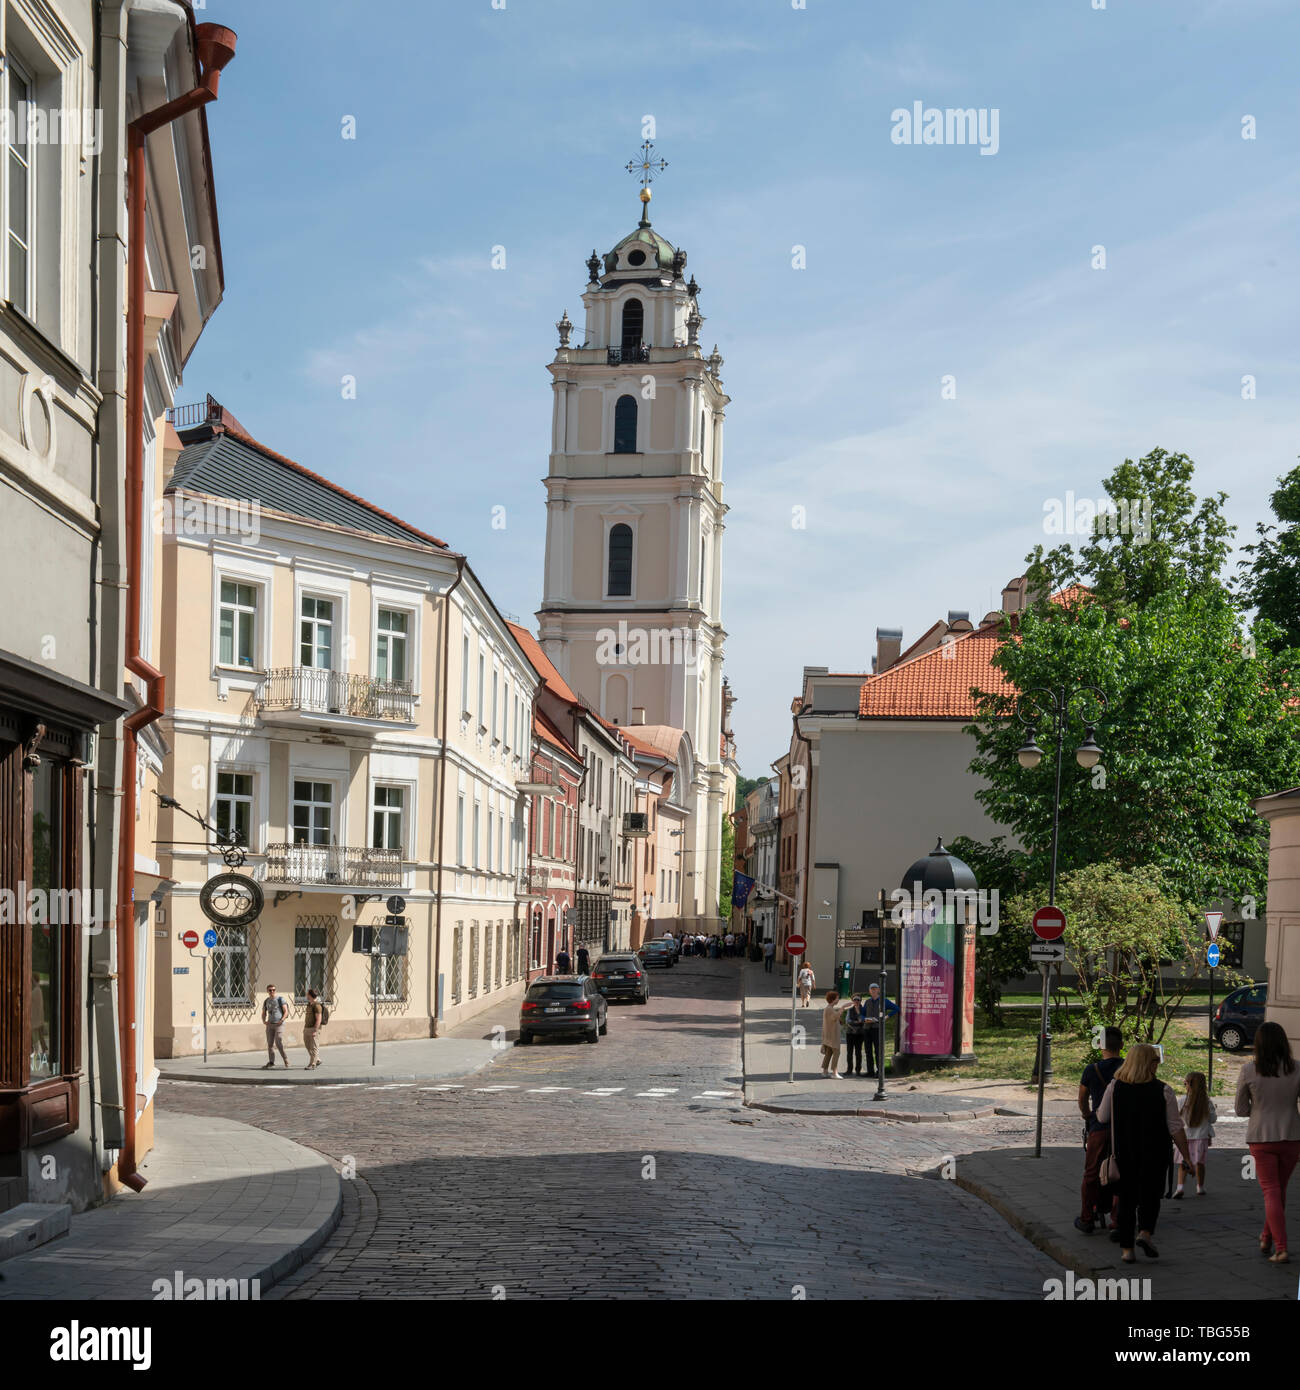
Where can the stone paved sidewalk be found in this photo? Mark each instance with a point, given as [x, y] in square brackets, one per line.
[1208, 1246]
[224, 1201]
[767, 1070]
[412, 1059]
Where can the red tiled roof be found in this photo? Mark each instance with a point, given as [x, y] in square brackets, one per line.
[542, 664]
[548, 733]
[937, 684]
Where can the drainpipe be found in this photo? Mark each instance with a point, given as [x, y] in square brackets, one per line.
[215, 47]
[807, 829]
[442, 782]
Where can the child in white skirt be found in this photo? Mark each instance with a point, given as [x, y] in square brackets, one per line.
[1199, 1115]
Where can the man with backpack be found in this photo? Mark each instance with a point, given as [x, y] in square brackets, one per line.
[275, 1009]
[316, 1017]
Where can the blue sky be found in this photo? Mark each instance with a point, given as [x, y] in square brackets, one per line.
[478, 127]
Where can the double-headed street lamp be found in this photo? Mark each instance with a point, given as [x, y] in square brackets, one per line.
[1051, 708]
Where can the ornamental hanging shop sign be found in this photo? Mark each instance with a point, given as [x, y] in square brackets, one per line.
[229, 899]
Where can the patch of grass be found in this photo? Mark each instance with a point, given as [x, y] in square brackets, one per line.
[1009, 1052]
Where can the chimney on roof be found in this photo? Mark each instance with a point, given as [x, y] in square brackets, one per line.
[889, 644]
[1013, 596]
[638, 714]
[959, 620]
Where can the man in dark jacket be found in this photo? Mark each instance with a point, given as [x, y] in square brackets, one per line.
[872, 1007]
[584, 961]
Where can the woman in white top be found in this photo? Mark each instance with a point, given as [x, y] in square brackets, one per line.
[807, 983]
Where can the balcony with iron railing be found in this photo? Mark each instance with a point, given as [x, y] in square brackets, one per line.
[629, 352]
[344, 867]
[310, 690]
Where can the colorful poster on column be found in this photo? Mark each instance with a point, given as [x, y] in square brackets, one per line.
[968, 991]
[927, 994]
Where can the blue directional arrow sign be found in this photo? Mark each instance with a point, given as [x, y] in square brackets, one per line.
[209, 938]
[1212, 954]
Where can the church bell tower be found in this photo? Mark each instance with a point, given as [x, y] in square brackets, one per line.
[631, 606]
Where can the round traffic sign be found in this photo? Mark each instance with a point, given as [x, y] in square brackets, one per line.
[1212, 954]
[209, 938]
[190, 939]
[1049, 924]
[796, 945]
[396, 905]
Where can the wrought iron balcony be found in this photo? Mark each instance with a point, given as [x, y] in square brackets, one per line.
[634, 352]
[315, 691]
[334, 866]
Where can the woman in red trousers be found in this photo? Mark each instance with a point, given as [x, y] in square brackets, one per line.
[1268, 1090]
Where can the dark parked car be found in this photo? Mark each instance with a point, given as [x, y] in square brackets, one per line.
[621, 977]
[1240, 1014]
[658, 952]
[563, 1004]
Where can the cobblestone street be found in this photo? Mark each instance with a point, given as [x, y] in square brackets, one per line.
[631, 1169]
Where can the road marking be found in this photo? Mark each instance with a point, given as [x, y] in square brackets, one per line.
[604, 1091]
[547, 1090]
[659, 1091]
[392, 1086]
[511, 1087]
[442, 1088]
[727, 1095]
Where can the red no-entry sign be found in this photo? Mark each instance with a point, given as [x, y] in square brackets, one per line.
[796, 945]
[190, 939]
[1049, 924]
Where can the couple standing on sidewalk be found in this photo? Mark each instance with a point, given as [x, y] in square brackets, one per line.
[275, 1010]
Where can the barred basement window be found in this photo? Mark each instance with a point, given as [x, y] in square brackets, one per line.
[501, 926]
[312, 940]
[388, 977]
[473, 960]
[232, 967]
[457, 959]
[487, 957]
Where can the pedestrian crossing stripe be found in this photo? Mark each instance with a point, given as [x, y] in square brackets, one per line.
[511, 1087]
[725, 1095]
[439, 1088]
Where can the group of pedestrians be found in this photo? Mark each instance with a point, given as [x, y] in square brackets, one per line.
[565, 963]
[275, 1013]
[857, 1021]
[715, 947]
[1134, 1122]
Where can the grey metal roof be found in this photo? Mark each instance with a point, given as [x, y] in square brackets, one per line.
[223, 464]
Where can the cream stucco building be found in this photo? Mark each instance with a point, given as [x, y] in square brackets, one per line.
[344, 695]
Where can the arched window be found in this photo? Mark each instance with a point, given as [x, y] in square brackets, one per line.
[625, 425]
[620, 562]
[633, 323]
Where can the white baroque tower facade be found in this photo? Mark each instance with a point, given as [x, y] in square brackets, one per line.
[631, 611]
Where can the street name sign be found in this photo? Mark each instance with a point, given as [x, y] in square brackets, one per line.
[1047, 952]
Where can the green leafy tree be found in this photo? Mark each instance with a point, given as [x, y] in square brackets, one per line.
[1002, 955]
[1160, 539]
[1201, 720]
[1270, 581]
[728, 868]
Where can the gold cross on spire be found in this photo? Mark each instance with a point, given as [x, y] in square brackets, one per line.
[646, 167]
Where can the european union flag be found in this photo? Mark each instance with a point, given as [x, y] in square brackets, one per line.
[741, 886]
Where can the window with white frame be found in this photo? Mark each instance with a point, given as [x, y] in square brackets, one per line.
[482, 667]
[460, 828]
[496, 681]
[312, 812]
[474, 844]
[237, 624]
[392, 627]
[231, 967]
[501, 842]
[20, 187]
[491, 826]
[234, 806]
[388, 818]
[387, 977]
[506, 714]
[316, 633]
[464, 674]
[311, 949]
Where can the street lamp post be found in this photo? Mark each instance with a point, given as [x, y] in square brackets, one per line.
[1052, 707]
